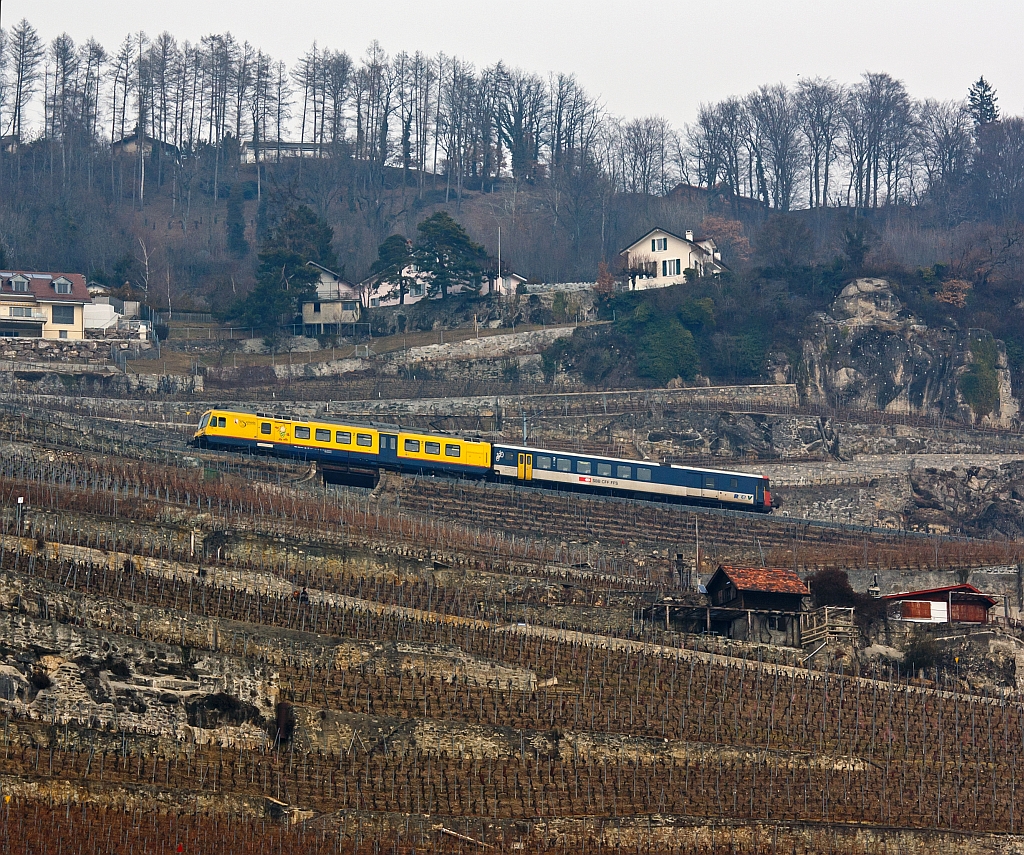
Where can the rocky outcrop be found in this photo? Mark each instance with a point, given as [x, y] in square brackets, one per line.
[869, 353]
[980, 500]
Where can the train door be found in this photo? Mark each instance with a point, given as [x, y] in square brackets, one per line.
[388, 454]
[759, 495]
[524, 467]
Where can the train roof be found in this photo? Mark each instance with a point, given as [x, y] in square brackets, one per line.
[587, 454]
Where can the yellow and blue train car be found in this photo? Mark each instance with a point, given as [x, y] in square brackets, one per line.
[343, 446]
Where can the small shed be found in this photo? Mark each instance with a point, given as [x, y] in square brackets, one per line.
[950, 604]
[756, 604]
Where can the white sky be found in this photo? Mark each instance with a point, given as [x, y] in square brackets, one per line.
[663, 56]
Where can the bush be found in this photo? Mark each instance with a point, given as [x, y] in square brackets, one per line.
[922, 652]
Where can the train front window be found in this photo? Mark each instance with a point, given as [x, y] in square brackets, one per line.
[204, 421]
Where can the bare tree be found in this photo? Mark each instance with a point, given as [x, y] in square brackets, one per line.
[819, 105]
[773, 112]
[521, 99]
[26, 52]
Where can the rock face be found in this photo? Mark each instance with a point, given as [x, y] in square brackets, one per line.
[984, 501]
[868, 353]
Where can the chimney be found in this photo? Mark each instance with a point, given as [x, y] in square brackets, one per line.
[689, 235]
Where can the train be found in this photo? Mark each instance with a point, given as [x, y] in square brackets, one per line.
[356, 453]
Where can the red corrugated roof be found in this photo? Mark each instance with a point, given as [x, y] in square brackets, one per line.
[40, 286]
[948, 589]
[772, 580]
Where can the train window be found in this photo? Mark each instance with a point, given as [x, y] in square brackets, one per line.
[734, 483]
[709, 483]
[343, 437]
[564, 464]
[623, 471]
[222, 422]
[301, 432]
[604, 469]
[432, 447]
[364, 439]
[542, 462]
[411, 445]
[265, 427]
[643, 474]
[323, 435]
[583, 467]
[452, 450]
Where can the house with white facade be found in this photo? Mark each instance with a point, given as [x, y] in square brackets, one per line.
[337, 302]
[660, 259]
[505, 285]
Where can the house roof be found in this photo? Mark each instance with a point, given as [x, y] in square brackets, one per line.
[769, 580]
[40, 286]
[639, 240]
[964, 589]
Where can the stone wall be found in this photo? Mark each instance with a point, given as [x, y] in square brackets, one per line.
[54, 352]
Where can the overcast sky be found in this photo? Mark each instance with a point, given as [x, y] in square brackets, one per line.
[662, 57]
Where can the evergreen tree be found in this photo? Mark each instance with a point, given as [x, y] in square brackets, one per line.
[447, 254]
[981, 103]
[284, 278]
[393, 256]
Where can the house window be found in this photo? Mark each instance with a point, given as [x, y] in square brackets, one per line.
[19, 283]
[62, 334]
[63, 314]
[542, 462]
[265, 428]
[643, 474]
[623, 471]
[659, 244]
[62, 286]
[670, 267]
[415, 290]
[374, 302]
[316, 308]
[347, 306]
[452, 450]
[583, 467]
[364, 439]
[412, 445]
[343, 437]
[564, 464]
[301, 432]
[604, 469]
[323, 435]
[21, 311]
[432, 447]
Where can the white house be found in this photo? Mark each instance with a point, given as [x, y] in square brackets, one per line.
[337, 303]
[661, 258]
[506, 285]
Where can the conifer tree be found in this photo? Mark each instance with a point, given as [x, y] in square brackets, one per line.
[981, 103]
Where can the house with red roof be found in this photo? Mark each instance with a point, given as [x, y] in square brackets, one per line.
[759, 604]
[949, 604]
[42, 305]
